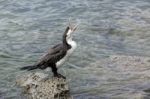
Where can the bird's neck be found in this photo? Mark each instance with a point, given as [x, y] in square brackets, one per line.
[69, 43]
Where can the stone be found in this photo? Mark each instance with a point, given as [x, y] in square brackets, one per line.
[40, 86]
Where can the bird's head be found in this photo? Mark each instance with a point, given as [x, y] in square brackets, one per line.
[69, 31]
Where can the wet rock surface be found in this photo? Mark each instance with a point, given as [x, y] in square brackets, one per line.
[39, 86]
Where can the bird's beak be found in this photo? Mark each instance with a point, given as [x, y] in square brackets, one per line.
[75, 27]
[72, 27]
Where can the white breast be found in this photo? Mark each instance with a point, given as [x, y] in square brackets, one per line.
[69, 52]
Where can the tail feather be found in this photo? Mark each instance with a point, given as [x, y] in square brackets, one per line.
[29, 67]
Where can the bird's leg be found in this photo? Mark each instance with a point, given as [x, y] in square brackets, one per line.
[56, 74]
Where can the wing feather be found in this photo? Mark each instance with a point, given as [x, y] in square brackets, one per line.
[54, 54]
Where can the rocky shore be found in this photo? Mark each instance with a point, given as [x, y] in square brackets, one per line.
[39, 86]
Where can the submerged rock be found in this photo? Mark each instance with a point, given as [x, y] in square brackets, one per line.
[39, 86]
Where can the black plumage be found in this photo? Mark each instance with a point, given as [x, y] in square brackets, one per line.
[54, 55]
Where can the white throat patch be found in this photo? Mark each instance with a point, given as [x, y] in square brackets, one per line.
[69, 52]
[69, 32]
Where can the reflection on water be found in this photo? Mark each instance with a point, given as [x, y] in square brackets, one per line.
[107, 27]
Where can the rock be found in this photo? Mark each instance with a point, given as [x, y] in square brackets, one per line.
[39, 86]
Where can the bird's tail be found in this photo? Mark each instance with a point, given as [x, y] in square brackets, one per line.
[29, 67]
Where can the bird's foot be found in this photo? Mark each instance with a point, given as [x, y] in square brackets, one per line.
[59, 76]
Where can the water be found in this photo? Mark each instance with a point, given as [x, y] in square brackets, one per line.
[107, 27]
